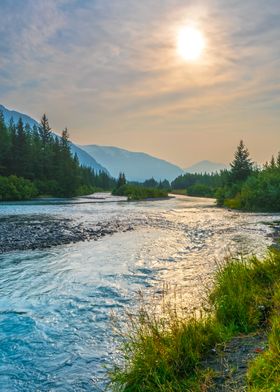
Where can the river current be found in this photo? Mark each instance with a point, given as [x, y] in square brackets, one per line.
[56, 304]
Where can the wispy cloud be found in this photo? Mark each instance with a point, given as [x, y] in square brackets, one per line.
[110, 70]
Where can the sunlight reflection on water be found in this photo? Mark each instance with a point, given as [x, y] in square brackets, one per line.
[55, 305]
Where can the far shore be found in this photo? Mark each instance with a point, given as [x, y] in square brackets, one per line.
[80, 200]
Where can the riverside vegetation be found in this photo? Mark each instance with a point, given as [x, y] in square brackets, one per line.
[170, 352]
[244, 186]
[150, 189]
[36, 162]
[174, 352]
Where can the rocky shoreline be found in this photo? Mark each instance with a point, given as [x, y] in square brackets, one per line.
[41, 232]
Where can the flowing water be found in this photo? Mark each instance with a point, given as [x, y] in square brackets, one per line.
[56, 304]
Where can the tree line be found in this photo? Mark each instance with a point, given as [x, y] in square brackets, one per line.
[244, 186]
[149, 189]
[34, 161]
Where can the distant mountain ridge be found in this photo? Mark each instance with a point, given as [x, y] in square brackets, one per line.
[206, 167]
[84, 158]
[137, 166]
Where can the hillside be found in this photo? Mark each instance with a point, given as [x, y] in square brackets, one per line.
[137, 166]
[84, 158]
[205, 167]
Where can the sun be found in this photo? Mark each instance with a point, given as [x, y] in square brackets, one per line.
[190, 43]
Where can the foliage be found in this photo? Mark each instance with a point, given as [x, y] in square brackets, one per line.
[152, 183]
[242, 187]
[165, 353]
[187, 180]
[200, 190]
[242, 292]
[241, 166]
[136, 192]
[182, 192]
[262, 192]
[121, 180]
[264, 371]
[16, 188]
[40, 156]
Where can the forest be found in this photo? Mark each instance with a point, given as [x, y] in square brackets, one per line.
[244, 186]
[149, 189]
[35, 162]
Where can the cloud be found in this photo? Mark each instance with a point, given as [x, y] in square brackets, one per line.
[110, 67]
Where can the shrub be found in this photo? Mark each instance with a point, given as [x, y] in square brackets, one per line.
[242, 293]
[135, 192]
[264, 371]
[163, 354]
[200, 190]
[16, 188]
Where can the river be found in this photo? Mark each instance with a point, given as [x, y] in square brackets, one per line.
[56, 303]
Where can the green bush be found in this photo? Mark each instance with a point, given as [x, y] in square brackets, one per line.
[16, 188]
[87, 190]
[264, 371]
[135, 192]
[242, 292]
[163, 355]
[262, 192]
[200, 190]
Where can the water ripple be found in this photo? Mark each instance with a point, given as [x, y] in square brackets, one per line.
[56, 305]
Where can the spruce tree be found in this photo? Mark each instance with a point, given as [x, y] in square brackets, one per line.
[4, 144]
[272, 162]
[121, 180]
[44, 130]
[242, 165]
[278, 160]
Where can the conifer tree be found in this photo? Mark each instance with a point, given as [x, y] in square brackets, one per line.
[278, 160]
[4, 144]
[272, 162]
[121, 180]
[44, 130]
[37, 154]
[242, 165]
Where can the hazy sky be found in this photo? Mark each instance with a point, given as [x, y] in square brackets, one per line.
[110, 71]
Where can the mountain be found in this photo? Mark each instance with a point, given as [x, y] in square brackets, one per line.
[84, 158]
[8, 114]
[137, 166]
[206, 167]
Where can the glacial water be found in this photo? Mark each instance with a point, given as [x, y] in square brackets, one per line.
[56, 305]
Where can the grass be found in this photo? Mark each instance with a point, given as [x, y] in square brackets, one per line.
[264, 371]
[165, 353]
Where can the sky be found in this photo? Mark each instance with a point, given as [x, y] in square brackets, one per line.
[111, 72]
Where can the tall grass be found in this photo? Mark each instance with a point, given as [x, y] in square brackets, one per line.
[165, 353]
[162, 355]
[242, 292]
[264, 372]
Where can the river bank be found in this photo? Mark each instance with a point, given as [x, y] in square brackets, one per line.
[19, 233]
[234, 345]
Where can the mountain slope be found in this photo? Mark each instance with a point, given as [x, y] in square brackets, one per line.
[84, 158]
[12, 114]
[137, 166]
[206, 167]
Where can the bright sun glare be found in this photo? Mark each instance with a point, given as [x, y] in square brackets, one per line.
[190, 43]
